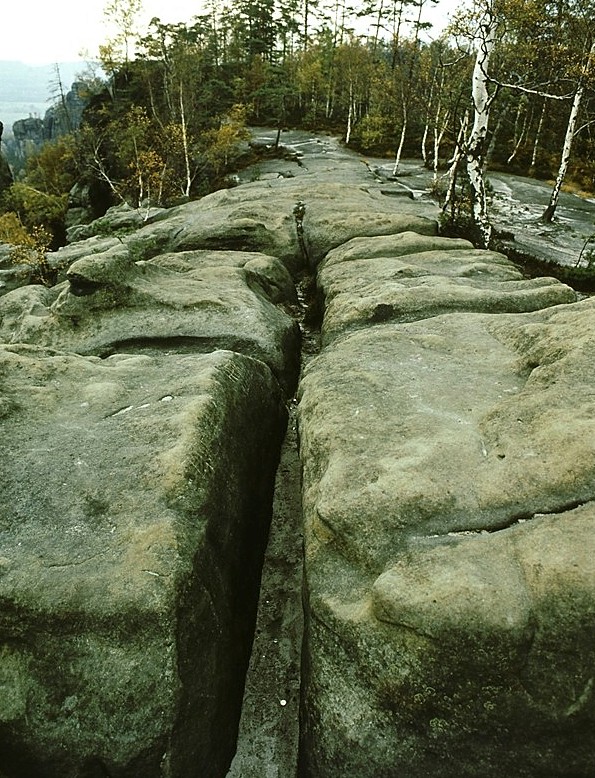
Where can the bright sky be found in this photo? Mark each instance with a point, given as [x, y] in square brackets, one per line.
[50, 31]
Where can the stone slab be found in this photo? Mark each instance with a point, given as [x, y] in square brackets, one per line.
[448, 484]
[135, 496]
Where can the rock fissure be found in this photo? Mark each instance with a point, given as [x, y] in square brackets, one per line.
[299, 212]
[511, 522]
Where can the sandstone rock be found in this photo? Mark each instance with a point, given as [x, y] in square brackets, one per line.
[222, 222]
[120, 218]
[262, 216]
[189, 261]
[448, 484]
[11, 276]
[26, 305]
[405, 286]
[111, 303]
[399, 245]
[96, 244]
[135, 498]
[361, 214]
[268, 272]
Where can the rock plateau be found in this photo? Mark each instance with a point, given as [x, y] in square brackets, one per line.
[446, 437]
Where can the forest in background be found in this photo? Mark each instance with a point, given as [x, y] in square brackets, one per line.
[508, 85]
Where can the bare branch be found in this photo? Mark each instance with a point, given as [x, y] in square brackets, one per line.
[527, 90]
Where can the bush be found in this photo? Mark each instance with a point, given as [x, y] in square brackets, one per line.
[35, 209]
[29, 247]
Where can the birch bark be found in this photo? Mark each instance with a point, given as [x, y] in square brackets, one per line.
[549, 212]
[482, 101]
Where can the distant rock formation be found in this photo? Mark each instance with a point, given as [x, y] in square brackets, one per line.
[6, 178]
[63, 117]
[29, 136]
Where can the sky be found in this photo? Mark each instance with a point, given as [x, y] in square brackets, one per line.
[42, 32]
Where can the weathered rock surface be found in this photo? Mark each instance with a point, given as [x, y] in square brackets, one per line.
[289, 219]
[11, 276]
[266, 271]
[111, 303]
[398, 245]
[448, 484]
[367, 281]
[135, 499]
[119, 219]
[446, 435]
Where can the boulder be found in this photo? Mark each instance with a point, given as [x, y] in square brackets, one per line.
[11, 276]
[398, 245]
[136, 495]
[449, 472]
[122, 218]
[221, 221]
[266, 271]
[362, 213]
[366, 283]
[111, 303]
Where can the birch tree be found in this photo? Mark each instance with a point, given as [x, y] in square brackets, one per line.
[483, 34]
[571, 130]
[122, 16]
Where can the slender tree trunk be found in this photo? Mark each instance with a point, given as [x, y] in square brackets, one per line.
[476, 143]
[426, 132]
[519, 138]
[377, 26]
[424, 140]
[306, 23]
[489, 154]
[349, 114]
[401, 142]
[549, 212]
[438, 136]
[406, 91]
[438, 123]
[62, 97]
[185, 143]
[455, 162]
[537, 140]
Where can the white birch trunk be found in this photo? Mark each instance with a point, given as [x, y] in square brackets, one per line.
[185, 143]
[349, 114]
[537, 140]
[401, 142]
[424, 140]
[477, 138]
[438, 136]
[549, 212]
[454, 165]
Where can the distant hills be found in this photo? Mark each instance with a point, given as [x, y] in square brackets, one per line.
[29, 90]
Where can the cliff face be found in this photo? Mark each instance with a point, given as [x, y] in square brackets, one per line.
[446, 444]
[63, 117]
[5, 172]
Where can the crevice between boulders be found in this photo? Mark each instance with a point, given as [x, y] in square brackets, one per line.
[269, 730]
